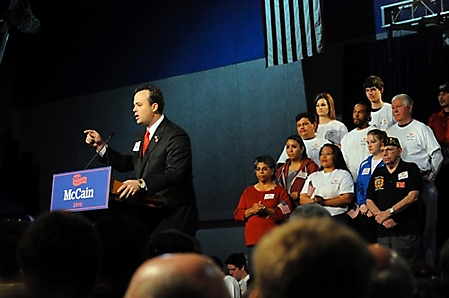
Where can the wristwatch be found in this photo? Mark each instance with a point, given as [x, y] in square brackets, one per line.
[391, 210]
[142, 183]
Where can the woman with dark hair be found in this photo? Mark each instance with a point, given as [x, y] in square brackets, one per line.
[262, 205]
[329, 127]
[297, 168]
[332, 186]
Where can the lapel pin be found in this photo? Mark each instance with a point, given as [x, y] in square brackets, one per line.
[156, 139]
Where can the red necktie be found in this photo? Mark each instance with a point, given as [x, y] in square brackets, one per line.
[146, 141]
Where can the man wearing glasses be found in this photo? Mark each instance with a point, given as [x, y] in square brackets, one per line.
[392, 197]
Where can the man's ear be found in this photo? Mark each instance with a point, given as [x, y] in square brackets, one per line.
[155, 107]
[381, 90]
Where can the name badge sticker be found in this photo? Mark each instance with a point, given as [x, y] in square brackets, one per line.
[269, 196]
[302, 175]
[403, 175]
[136, 146]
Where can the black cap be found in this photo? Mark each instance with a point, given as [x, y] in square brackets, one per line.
[444, 87]
[391, 141]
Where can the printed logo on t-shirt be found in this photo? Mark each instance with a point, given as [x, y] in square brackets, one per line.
[335, 181]
[410, 137]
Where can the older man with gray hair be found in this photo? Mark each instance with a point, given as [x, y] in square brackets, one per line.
[420, 146]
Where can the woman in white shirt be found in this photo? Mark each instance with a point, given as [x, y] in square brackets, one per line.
[332, 186]
[329, 127]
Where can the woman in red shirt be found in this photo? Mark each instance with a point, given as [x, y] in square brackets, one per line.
[262, 205]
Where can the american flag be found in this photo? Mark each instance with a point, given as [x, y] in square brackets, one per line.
[353, 211]
[284, 207]
[293, 30]
[310, 189]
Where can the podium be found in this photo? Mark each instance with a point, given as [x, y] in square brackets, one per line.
[153, 201]
[93, 189]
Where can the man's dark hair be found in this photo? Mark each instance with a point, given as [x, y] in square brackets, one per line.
[373, 81]
[60, 255]
[238, 260]
[155, 96]
[311, 117]
[366, 104]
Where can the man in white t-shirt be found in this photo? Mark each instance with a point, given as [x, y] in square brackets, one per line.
[381, 114]
[420, 146]
[353, 144]
[306, 125]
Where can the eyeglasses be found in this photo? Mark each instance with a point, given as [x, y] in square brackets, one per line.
[327, 153]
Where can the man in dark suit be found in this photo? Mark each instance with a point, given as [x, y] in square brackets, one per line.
[162, 160]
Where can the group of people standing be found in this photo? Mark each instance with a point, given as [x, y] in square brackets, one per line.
[377, 178]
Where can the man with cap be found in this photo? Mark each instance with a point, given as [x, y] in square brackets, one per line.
[392, 197]
[439, 123]
[420, 146]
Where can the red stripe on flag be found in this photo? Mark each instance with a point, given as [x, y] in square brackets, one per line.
[293, 30]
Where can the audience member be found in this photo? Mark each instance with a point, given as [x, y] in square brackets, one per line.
[313, 257]
[419, 146]
[309, 210]
[294, 172]
[381, 112]
[178, 275]
[230, 282]
[392, 196]
[367, 224]
[11, 283]
[392, 275]
[306, 126]
[237, 264]
[173, 241]
[263, 205]
[59, 256]
[329, 127]
[332, 186]
[353, 144]
[10, 232]
[439, 123]
[125, 248]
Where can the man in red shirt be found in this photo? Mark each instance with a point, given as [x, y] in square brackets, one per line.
[439, 123]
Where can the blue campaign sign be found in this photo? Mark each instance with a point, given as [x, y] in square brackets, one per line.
[81, 190]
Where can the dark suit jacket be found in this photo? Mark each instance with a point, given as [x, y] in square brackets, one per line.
[167, 171]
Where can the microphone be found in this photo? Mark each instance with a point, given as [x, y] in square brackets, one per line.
[96, 154]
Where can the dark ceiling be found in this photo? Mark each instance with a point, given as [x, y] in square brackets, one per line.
[84, 46]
